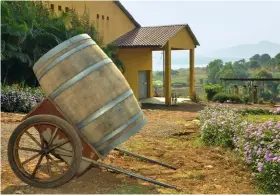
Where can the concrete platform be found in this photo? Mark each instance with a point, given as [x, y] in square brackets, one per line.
[161, 100]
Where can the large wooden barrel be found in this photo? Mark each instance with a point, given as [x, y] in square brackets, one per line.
[91, 92]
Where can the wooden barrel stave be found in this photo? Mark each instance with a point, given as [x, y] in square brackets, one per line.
[110, 121]
[103, 92]
[60, 49]
[82, 61]
[121, 137]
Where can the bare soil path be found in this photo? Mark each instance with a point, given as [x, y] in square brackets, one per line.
[171, 136]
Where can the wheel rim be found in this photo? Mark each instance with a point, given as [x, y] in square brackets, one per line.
[43, 152]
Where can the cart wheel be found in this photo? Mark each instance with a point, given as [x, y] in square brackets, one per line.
[45, 161]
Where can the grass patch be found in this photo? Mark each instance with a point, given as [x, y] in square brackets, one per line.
[196, 142]
[261, 118]
[136, 146]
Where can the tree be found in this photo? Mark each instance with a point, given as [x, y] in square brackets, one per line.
[226, 71]
[240, 69]
[277, 58]
[263, 74]
[265, 58]
[159, 73]
[24, 38]
[174, 72]
[254, 64]
[272, 86]
[213, 68]
[256, 57]
[29, 29]
[272, 63]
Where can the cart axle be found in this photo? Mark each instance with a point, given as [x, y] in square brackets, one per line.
[144, 158]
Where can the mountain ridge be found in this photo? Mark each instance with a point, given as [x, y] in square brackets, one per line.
[246, 50]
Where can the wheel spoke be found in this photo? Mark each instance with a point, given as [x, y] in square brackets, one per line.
[53, 136]
[58, 145]
[43, 142]
[29, 149]
[65, 150]
[38, 165]
[30, 159]
[33, 138]
[49, 166]
[64, 154]
[55, 163]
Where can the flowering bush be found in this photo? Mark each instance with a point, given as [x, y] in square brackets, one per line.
[276, 111]
[18, 99]
[259, 144]
[217, 124]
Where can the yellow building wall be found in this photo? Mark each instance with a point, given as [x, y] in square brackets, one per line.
[182, 40]
[135, 60]
[109, 30]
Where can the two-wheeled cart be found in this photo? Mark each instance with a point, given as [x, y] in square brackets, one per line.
[74, 127]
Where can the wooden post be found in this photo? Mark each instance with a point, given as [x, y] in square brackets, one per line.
[167, 74]
[236, 90]
[191, 92]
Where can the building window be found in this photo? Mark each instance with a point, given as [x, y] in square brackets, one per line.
[107, 17]
[59, 8]
[52, 6]
[97, 16]
[102, 17]
[66, 9]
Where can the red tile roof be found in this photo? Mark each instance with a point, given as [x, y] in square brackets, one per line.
[153, 36]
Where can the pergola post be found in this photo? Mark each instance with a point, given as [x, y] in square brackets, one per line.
[167, 74]
[191, 90]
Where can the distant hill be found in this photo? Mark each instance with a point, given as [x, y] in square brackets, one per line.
[246, 51]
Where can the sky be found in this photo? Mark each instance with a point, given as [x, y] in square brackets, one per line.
[216, 24]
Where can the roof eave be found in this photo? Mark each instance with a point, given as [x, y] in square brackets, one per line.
[127, 14]
[192, 35]
[139, 46]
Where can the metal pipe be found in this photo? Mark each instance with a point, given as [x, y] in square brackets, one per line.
[144, 158]
[129, 173]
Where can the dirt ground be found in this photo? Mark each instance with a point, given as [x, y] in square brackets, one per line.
[171, 136]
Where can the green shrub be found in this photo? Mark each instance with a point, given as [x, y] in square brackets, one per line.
[223, 97]
[266, 95]
[234, 98]
[272, 102]
[218, 124]
[261, 101]
[220, 97]
[195, 98]
[211, 90]
[246, 99]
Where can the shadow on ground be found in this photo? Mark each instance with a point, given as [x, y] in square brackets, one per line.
[95, 181]
[184, 107]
